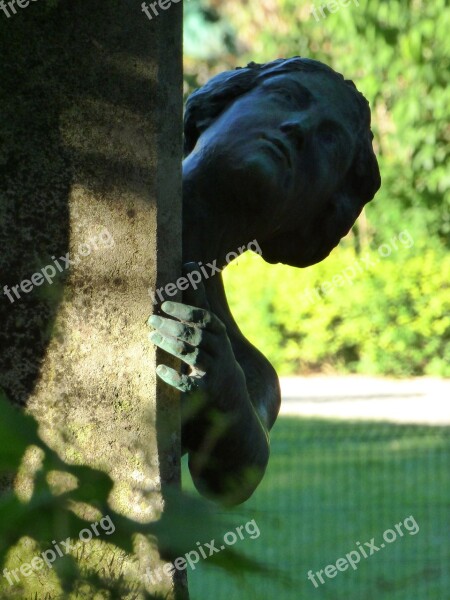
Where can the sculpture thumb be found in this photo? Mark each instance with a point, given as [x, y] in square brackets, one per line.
[195, 294]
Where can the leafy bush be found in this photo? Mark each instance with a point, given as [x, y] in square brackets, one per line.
[385, 311]
[394, 317]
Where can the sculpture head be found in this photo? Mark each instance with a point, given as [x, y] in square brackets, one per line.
[288, 147]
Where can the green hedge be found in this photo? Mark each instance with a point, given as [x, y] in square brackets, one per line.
[385, 311]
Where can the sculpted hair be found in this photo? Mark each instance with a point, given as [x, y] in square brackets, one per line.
[205, 104]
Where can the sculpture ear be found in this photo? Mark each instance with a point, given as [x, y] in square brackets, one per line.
[363, 178]
[344, 209]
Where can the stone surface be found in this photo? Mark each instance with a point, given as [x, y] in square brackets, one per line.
[90, 166]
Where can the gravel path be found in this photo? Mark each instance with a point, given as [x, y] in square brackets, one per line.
[422, 400]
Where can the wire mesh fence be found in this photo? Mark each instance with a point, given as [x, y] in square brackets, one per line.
[347, 510]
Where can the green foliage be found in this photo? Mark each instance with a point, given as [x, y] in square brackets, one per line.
[368, 313]
[50, 515]
[398, 54]
[207, 36]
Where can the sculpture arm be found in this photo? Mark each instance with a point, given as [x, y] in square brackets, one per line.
[227, 440]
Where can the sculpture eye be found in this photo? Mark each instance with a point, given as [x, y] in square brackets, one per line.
[329, 137]
[289, 93]
[284, 94]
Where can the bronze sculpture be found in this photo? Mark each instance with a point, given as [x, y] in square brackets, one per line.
[280, 153]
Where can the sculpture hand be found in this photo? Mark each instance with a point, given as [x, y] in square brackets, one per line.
[199, 338]
[227, 443]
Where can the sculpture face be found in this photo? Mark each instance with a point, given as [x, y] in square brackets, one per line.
[284, 150]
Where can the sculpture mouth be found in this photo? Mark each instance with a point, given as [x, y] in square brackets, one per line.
[279, 146]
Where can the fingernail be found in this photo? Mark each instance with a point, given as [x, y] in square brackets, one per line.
[154, 321]
[162, 370]
[155, 337]
[167, 307]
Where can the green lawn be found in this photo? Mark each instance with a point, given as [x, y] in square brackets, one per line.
[329, 485]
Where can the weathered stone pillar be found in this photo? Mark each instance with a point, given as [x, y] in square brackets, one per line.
[90, 220]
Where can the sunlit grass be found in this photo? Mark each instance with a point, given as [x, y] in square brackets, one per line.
[331, 484]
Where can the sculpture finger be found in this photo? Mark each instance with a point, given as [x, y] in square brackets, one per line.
[192, 334]
[195, 357]
[184, 383]
[191, 314]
